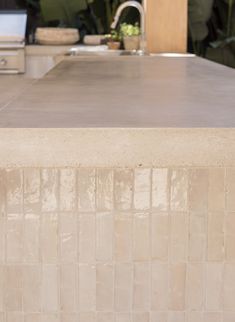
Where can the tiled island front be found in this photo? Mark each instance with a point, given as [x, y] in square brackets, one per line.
[95, 235]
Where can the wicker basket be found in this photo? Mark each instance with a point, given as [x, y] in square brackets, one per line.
[57, 36]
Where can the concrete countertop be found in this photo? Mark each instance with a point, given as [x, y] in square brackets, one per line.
[127, 92]
[120, 112]
[43, 50]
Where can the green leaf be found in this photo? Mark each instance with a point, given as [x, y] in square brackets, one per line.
[63, 10]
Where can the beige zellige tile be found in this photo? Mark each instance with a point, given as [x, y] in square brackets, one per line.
[35, 317]
[159, 316]
[141, 317]
[49, 238]
[159, 286]
[31, 239]
[67, 189]
[14, 240]
[179, 190]
[195, 316]
[14, 180]
[87, 238]
[32, 301]
[13, 291]
[68, 317]
[215, 237]
[179, 236]
[68, 237]
[123, 287]
[230, 189]
[2, 317]
[175, 316]
[230, 237]
[104, 287]
[197, 237]
[105, 185]
[227, 317]
[160, 230]
[229, 287]
[87, 317]
[32, 182]
[2, 239]
[105, 317]
[68, 288]
[142, 188]
[50, 294]
[104, 237]
[2, 290]
[177, 281]
[214, 286]
[216, 193]
[141, 238]
[87, 287]
[215, 317]
[49, 183]
[3, 184]
[86, 190]
[160, 194]
[123, 189]
[195, 286]
[52, 317]
[141, 295]
[123, 317]
[123, 231]
[198, 190]
[15, 317]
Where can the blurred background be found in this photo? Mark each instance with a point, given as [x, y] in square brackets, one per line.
[211, 23]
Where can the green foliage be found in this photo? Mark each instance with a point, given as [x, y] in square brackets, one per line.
[212, 29]
[128, 30]
[89, 16]
[64, 11]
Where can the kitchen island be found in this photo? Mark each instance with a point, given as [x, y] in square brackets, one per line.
[117, 198]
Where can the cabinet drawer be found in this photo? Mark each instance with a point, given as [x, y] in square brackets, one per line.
[12, 60]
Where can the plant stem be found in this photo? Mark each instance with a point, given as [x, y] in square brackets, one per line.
[230, 10]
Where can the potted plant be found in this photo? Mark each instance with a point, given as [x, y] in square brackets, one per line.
[131, 36]
[114, 40]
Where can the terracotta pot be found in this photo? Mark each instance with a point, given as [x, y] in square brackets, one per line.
[114, 45]
[132, 43]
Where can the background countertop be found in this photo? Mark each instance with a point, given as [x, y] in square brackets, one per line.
[124, 92]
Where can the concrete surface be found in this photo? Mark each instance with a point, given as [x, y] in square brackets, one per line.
[127, 92]
[117, 147]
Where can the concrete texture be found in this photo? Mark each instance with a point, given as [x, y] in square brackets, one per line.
[127, 92]
[117, 147]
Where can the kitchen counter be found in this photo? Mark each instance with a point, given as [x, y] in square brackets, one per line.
[121, 111]
[118, 173]
[127, 92]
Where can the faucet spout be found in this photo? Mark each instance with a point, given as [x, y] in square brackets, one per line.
[141, 10]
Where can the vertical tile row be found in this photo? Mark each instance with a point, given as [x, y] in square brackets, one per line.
[117, 245]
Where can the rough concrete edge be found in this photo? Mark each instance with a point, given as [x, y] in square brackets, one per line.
[113, 147]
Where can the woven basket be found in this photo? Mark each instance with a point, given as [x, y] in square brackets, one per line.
[57, 36]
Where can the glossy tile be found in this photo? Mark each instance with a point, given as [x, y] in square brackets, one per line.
[142, 187]
[160, 190]
[117, 245]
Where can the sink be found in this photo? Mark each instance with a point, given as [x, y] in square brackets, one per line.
[100, 51]
[104, 51]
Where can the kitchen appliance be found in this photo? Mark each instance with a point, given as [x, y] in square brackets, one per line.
[12, 41]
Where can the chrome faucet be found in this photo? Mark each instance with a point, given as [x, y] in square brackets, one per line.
[141, 10]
